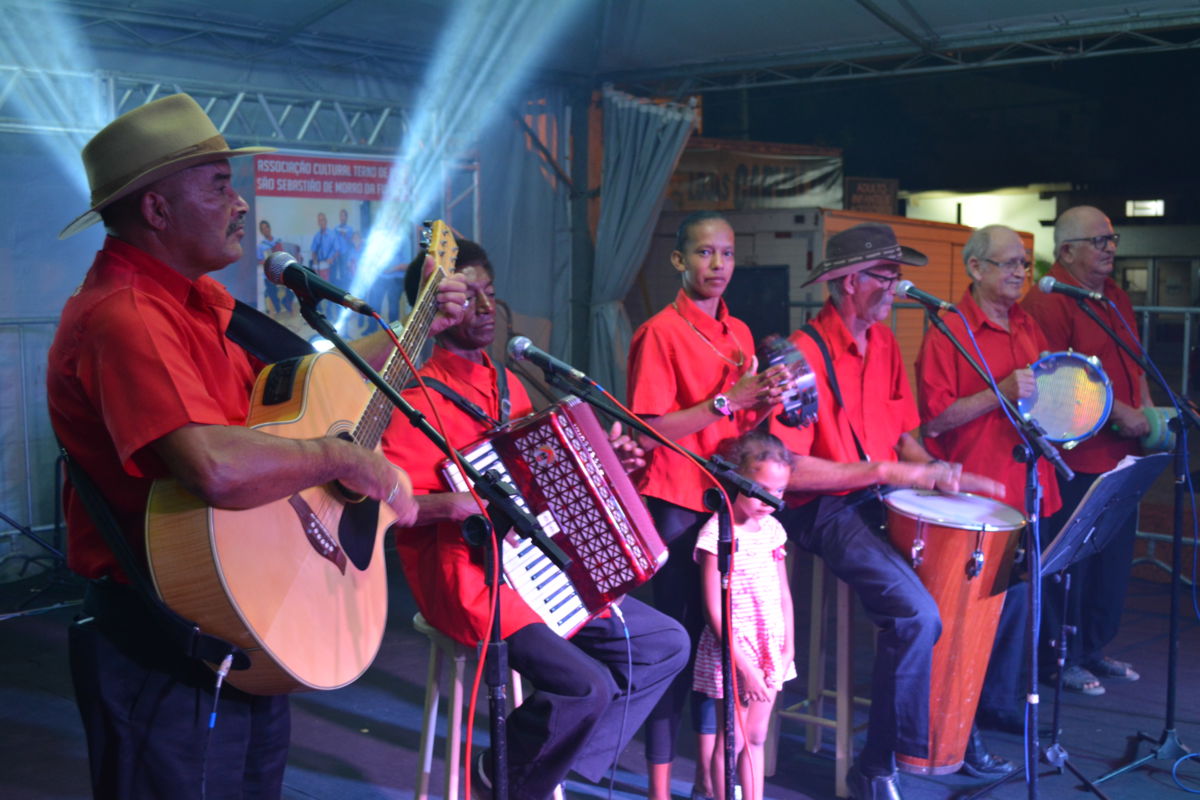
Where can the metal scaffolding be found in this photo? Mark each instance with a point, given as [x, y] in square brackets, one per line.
[282, 118]
[924, 53]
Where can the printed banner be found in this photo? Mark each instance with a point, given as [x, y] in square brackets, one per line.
[723, 175]
[278, 175]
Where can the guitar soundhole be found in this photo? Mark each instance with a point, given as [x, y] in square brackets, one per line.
[356, 531]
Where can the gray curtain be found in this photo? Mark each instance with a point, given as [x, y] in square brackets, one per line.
[642, 144]
[525, 224]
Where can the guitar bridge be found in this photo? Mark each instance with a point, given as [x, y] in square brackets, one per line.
[317, 535]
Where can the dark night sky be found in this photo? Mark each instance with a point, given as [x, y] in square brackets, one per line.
[1123, 121]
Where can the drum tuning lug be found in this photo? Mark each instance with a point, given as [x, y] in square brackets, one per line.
[975, 565]
[917, 553]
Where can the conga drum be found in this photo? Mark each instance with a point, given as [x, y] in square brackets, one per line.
[961, 547]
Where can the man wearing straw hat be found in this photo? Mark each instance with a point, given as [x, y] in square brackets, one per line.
[143, 384]
[862, 440]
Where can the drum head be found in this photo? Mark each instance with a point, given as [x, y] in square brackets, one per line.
[967, 512]
[1072, 398]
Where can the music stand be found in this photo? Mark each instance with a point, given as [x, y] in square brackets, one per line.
[1088, 531]
[1090, 528]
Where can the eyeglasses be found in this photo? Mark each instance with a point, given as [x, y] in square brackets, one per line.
[1099, 242]
[888, 281]
[1012, 265]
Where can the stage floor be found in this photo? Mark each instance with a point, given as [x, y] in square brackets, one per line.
[360, 743]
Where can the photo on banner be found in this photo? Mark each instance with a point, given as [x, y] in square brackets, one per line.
[319, 209]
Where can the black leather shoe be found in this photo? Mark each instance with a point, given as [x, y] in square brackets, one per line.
[885, 787]
[979, 763]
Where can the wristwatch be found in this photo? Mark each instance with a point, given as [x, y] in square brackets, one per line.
[721, 405]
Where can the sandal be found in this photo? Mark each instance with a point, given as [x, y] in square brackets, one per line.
[1081, 680]
[1111, 668]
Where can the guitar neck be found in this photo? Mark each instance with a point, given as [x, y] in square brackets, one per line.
[396, 371]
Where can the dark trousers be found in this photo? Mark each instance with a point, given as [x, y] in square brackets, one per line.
[145, 711]
[676, 591]
[1006, 682]
[587, 702]
[1098, 585]
[845, 531]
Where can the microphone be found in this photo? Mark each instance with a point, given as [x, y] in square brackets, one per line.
[907, 289]
[1051, 286]
[283, 269]
[521, 349]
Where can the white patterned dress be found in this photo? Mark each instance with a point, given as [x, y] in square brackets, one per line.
[757, 598]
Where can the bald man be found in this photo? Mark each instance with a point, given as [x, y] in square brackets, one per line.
[1085, 247]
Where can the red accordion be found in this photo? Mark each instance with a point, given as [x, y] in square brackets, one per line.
[569, 477]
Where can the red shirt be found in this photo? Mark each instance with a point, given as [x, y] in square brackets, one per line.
[443, 571]
[1067, 327]
[140, 352]
[984, 445]
[675, 365]
[879, 407]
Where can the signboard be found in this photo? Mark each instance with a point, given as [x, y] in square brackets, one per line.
[873, 195]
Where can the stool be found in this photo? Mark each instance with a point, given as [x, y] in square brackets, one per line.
[811, 710]
[441, 647]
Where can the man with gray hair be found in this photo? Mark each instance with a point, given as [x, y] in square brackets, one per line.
[1085, 247]
[864, 440]
[962, 421]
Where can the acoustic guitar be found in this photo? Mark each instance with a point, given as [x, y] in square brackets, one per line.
[299, 583]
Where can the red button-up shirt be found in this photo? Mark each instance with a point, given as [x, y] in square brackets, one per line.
[444, 573]
[140, 352]
[675, 365]
[985, 444]
[879, 406]
[1067, 327]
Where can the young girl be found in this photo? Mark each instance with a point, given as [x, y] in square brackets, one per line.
[762, 620]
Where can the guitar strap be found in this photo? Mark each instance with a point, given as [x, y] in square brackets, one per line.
[265, 339]
[182, 633]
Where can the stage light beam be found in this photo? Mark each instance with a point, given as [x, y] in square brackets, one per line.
[481, 61]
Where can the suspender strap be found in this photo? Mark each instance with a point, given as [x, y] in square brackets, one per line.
[833, 383]
[182, 633]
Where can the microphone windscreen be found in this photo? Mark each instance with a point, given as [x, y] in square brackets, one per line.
[275, 264]
[1046, 284]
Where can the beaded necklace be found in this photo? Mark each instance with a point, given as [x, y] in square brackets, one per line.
[741, 355]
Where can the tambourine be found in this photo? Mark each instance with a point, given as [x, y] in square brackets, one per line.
[1072, 399]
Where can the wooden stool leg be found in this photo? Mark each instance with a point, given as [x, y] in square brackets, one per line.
[816, 655]
[433, 691]
[844, 734]
[455, 726]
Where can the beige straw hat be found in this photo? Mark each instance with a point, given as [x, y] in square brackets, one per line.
[147, 144]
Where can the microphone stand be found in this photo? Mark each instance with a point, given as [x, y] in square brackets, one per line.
[590, 392]
[1034, 445]
[506, 515]
[1168, 744]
